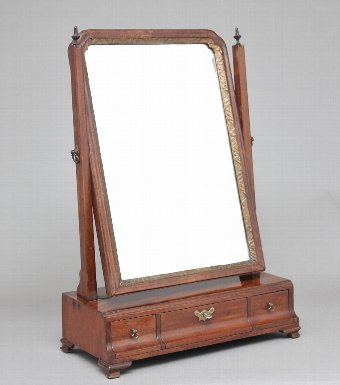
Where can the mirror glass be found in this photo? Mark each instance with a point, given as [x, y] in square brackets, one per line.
[166, 157]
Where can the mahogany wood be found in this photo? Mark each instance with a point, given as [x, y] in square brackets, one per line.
[102, 216]
[277, 304]
[125, 340]
[158, 317]
[87, 287]
[241, 93]
[113, 371]
[103, 327]
[180, 327]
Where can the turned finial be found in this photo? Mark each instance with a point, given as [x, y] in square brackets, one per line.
[237, 36]
[75, 35]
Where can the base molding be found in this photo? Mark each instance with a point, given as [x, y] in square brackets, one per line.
[122, 329]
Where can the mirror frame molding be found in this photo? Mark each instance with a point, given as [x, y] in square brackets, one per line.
[92, 195]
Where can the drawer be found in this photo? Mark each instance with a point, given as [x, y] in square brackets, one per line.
[188, 325]
[268, 308]
[134, 334]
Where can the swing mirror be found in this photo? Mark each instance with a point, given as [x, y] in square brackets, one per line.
[170, 184]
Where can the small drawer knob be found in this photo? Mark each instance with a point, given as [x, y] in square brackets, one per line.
[134, 333]
[270, 307]
[204, 315]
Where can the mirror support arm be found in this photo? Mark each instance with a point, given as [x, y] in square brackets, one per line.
[241, 93]
[87, 288]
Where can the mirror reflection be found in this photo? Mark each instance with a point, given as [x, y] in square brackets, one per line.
[166, 156]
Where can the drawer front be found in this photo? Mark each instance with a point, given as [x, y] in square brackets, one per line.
[187, 325]
[134, 334]
[268, 308]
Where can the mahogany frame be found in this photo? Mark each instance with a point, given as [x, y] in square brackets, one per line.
[92, 195]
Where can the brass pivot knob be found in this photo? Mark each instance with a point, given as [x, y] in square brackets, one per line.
[75, 154]
[134, 333]
[270, 307]
[204, 315]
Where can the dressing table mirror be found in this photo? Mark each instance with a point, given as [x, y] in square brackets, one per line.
[164, 170]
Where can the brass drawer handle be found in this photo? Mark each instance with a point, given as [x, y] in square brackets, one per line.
[270, 307]
[204, 315]
[134, 333]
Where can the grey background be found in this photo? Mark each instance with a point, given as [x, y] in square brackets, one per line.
[293, 77]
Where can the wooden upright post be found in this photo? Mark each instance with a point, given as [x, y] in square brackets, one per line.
[241, 92]
[87, 288]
